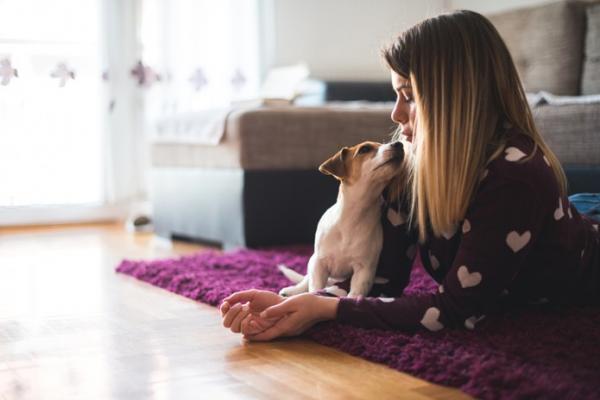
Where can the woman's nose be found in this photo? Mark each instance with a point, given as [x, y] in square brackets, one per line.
[400, 113]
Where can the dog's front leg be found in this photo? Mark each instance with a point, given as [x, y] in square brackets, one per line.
[362, 281]
[317, 274]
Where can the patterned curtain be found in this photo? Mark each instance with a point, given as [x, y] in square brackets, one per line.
[83, 83]
[196, 56]
[51, 98]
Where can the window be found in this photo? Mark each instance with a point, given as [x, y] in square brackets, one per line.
[51, 103]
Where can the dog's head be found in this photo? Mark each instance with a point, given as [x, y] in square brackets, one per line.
[367, 162]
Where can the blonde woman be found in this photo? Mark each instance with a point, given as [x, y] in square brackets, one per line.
[487, 206]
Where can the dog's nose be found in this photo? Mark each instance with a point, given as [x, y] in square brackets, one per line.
[398, 149]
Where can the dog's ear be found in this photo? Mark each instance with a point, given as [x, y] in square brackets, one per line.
[336, 165]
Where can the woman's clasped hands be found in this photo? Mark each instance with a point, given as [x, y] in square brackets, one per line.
[261, 315]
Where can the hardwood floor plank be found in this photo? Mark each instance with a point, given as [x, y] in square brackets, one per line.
[71, 328]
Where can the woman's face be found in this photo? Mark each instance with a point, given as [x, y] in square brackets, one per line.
[405, 109]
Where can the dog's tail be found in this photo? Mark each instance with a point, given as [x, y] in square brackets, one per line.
[289, 273]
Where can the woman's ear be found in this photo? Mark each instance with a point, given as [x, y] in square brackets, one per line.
[336, 165]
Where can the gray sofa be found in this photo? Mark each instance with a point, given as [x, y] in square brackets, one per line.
[260, 185]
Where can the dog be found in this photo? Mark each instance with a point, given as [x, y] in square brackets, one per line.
[349, 235]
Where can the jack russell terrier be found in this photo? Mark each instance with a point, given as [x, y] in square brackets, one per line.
[349, 235]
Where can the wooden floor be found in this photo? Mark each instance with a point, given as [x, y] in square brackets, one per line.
[70, 328]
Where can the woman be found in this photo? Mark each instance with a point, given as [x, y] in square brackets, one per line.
[487, 202]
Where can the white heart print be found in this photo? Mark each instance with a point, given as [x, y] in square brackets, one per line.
[513, 154]
[470, 322]
[484, 174]
[379, 280]
[559, 213]
[468, 279]
[386, 299]
[517, 241]
[435, 264]
[395, 218]
[448, 235]
[466, 228]
[430, 319]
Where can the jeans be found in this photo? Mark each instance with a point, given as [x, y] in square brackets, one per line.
[587, 204]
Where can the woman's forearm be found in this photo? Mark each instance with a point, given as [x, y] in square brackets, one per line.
[327, 308]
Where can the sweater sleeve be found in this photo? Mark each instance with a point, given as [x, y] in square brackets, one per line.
[499, 229]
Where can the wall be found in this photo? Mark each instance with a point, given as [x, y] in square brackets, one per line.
[340, 39]
[492, 6]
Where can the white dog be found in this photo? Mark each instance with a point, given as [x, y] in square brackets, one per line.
[349, 234]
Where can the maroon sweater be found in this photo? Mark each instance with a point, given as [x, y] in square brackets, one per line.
[520, 242]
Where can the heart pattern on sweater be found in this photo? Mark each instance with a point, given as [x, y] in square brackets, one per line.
[468, 279]
[471, 321]
[517, 241]
[466, 227]
[441, 289]
[386, 299]
[435, 264]
[430, 319]
[450, 234]
[484, 174]
[513, 154]
[559, 212]
[379, 280]
[396, 218]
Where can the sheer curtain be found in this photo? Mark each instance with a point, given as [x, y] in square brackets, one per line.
[197, 55]
[83, 82]
[50, 106]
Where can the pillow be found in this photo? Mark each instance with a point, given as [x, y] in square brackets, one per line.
[546, 43]
[590, 79]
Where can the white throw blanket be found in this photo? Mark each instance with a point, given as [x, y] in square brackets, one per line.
[201, 127]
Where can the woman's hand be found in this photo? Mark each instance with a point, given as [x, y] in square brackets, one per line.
[293, 316]
[242, 307]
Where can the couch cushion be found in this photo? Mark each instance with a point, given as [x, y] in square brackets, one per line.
[546, 43]
[571, 131]
[590, 80]
[282, 137]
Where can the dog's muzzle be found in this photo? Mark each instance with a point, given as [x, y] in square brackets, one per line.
[398, 149]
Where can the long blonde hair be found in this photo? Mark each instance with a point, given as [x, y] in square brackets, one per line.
[465, 86]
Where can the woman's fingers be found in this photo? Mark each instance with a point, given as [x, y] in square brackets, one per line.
[237, 321]
[250, 326]
[231, 314]
[241, 297]
[277, 330]
[224, 308]
[245, 325]
[279, 310]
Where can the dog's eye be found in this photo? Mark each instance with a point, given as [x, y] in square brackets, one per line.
[364, 149]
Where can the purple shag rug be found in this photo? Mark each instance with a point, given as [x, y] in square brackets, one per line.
[527, 354]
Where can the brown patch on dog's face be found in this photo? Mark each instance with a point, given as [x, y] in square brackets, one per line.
[345, 164]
